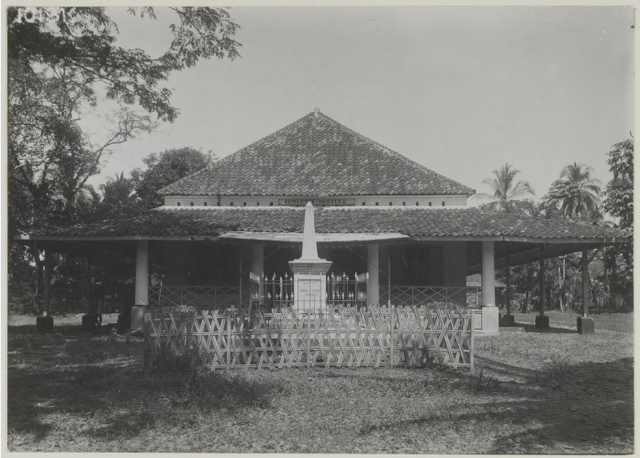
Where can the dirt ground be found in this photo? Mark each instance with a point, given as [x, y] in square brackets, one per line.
[531, 393]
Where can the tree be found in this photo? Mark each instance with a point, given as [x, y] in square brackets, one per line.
[505, 189]
[618, 200]
[575, 194]
[62, 60]
[50, 154]
[83, 40]
[165, 168]
[117, 197]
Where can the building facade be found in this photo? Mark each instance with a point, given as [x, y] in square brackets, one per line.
[396, 233]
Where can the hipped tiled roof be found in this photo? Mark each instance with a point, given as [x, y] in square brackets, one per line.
[315, 156]
[415, 222]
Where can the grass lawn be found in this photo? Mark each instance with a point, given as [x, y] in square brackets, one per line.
[556, 392]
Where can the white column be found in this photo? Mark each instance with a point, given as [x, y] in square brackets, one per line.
[507, 296]
[142, 273]
[373, 291]
[490, 315]
[142, 286]
[488, 273]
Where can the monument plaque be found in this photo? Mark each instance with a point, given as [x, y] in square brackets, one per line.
[310, 291]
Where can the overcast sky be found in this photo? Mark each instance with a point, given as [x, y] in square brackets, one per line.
[460, 90]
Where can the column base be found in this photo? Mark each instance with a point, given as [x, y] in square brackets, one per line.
[44, 324]
[507, 320]
[490, 319]
[542, 322]
[91, 322]
[137, 318]
[586, 325]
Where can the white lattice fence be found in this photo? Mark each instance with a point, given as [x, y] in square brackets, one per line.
[376, 336]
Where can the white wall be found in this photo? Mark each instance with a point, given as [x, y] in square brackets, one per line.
[253, 201]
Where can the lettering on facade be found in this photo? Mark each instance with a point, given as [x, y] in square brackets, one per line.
[317, 202]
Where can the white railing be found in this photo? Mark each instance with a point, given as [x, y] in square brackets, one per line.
[463, 296]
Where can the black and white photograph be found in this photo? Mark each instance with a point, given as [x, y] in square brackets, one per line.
[318, 228]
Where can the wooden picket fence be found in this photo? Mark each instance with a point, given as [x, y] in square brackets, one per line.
[372, 336]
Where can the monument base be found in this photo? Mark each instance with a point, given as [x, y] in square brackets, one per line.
[309, 283]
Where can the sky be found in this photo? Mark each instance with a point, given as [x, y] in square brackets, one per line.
[461, 90]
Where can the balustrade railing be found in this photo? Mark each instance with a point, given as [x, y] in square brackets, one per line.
[266, 293]
[201, 297]
[463, 296]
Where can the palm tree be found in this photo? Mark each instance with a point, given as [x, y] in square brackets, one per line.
[117, 191]
[506, 189]
[575, 193]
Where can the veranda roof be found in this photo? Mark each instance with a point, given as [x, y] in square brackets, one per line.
[413, 223]
[312, 157]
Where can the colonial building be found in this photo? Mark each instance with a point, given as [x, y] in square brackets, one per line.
[395, 232]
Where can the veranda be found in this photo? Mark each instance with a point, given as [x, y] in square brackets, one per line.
[257, 276]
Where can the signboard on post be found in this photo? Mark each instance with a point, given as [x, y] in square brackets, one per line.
[317, 201]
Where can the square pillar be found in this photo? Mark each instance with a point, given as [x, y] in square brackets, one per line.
[585, 323]
[490, 315]
[142, 286]
[373, 263]
[542, 321]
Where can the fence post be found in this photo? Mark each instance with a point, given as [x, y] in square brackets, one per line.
[147, 344]
[471, 345]
[309, 339]
[391, 337]
[228, 340]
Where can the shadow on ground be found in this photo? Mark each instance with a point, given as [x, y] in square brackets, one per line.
[94, 383]
[580, 408]
[532, 328]
[99, 380]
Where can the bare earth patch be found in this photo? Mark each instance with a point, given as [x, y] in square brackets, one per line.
[556, 392]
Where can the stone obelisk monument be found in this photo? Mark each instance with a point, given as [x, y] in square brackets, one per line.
[309, 271]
